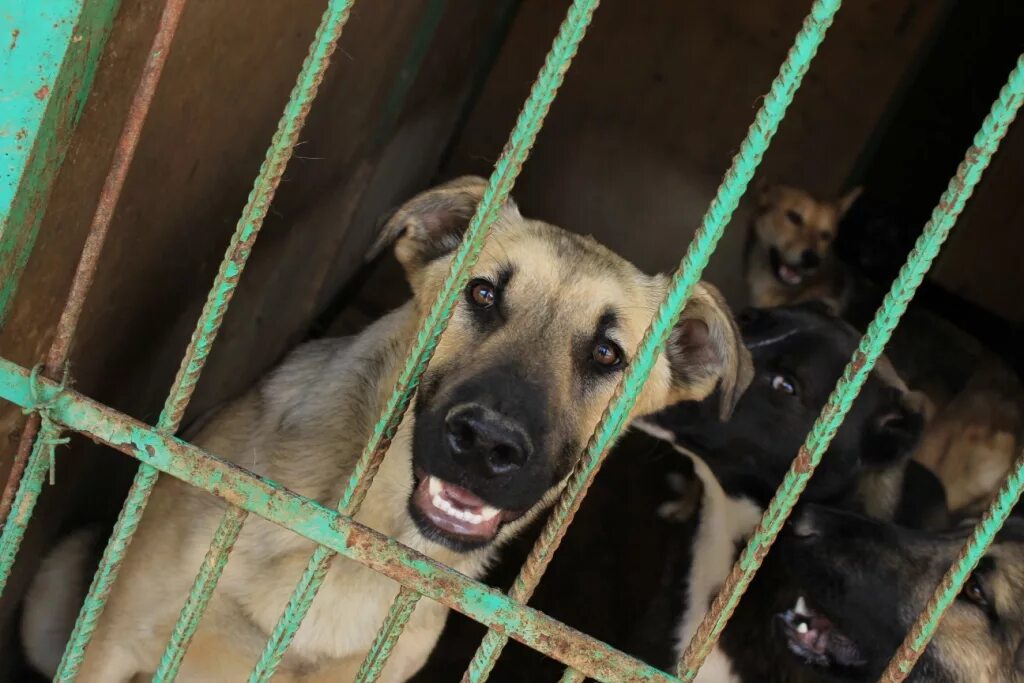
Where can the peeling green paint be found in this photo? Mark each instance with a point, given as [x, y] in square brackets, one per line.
[253, 214]
[202, 589]
[49, 52]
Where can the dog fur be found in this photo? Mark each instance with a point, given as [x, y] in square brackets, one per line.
[739, 465]
[525, 352]
[790, 255]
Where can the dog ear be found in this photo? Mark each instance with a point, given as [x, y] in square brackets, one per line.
[431, 224]
[766, 192]
[705, 349]
[844, 203]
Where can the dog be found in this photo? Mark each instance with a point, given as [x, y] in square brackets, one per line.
[974, 440]
[789, 255]
[798, 353]
[532, 353]
[857, 585]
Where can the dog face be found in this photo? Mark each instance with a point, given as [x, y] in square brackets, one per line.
[532, 353]
[797, 231]
[862, 583]
[798, 352]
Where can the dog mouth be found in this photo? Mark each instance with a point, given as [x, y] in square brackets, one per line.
[455, 513]
[812, 637]
[785, 273]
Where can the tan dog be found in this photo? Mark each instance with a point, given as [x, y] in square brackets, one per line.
[974, 440]
[531, 356]
[789, 256]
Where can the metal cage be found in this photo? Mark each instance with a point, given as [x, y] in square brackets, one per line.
[53, 408]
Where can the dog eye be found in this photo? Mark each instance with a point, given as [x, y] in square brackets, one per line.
[481, 293]
[974, 593]
[794, 217]
[606, 354]
[784, 384]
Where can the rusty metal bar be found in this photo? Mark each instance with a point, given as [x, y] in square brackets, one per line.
[124, 152]
[48, 59]
[516, 150]
[202, 588]
[766, 123]
[25, 501]
[927, 623]
[939, 225]
[394, 623]
[23, 489]
[327, 527]
[280, 151]
[571, 675]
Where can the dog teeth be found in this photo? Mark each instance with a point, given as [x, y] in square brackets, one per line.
[452, 511]
[801, 607]
[434, 486]
[802, 627]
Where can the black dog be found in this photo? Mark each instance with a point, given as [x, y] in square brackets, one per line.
[860, 583]
[798, 354]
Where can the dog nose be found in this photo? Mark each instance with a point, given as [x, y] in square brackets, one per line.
[804, 524]
[484, 441]
[810, 259]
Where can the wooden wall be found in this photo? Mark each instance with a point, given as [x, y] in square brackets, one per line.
[659, 98]
[368, 142]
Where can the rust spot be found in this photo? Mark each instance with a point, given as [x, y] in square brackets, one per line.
[857, 362]
[42, 92]
[14, 39]
[802, 463]
[21, 134]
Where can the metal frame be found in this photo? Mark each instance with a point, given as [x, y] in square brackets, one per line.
[54, 408]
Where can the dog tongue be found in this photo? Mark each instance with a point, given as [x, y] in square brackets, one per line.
[789, 275]
[456, 511]
[463, 498]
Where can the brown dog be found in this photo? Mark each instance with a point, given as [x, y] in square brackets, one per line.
[789, 257]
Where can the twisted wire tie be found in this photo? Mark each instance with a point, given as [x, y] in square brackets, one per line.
[47, 423]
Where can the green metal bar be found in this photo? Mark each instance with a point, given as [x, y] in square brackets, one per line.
[943, 217]
[615, 417]
[500, 184]
[397, 617]
[327, 527]
[49, 52]
[209, 573]
[280, 151]
[25, 501]
[571, 675]
[952, 583]
[64, 333]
